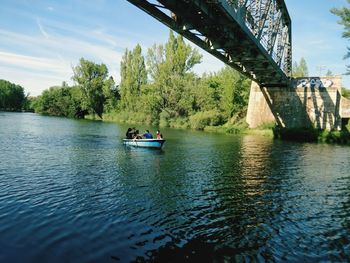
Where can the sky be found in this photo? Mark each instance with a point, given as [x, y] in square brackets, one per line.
[41, 41]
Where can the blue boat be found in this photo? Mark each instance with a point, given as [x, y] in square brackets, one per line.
[146, 143]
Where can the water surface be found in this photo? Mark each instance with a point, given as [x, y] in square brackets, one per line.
[71, 192]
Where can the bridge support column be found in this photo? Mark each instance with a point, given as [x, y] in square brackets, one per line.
[308, 102]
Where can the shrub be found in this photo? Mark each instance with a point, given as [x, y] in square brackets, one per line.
[179, 122]
[267, 126]
[199, 120]
[164, 117]
[128, 117]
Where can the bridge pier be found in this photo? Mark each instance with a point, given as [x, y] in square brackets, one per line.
[313, 102]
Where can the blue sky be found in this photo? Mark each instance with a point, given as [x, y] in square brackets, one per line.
[40, 41]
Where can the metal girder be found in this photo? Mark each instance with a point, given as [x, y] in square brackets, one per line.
[252, 36]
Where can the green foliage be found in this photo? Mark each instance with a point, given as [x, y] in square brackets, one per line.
[207, 93]
[164, 118]
[338, 137]
[301, 69]
[175, 96]
[166, 93]
[111, 95]
[94, 83]
[170, 69]
[179, 122]
[267, 126]
[200, 119]
[226, 91]
[312, 135]
[60, 101]
[128, 117]
[12, 96]
[344, 15]
[345, 93]
[133, 76]
[235, 91]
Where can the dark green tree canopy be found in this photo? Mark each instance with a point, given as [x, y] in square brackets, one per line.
[12, 96]
[92, 79]
[133, 76]
[170, 68]
[62, 101]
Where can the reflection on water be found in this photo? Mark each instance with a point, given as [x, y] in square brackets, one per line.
[71, 191]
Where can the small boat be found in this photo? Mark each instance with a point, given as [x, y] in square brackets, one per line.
[146, 143]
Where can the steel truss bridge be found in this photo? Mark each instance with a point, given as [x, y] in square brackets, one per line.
[251, 36]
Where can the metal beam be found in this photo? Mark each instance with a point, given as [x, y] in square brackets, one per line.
[245, 34]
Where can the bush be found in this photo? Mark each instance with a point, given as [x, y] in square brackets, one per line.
[164, 118]
[339, 137]
[267, 126]
[128, 117]
[179, 122]
[199, 120]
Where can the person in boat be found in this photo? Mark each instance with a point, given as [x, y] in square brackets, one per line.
[159, 135]
[137, 135]
[129, 133]
[147, 135]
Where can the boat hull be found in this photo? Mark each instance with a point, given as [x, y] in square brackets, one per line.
[145, 143]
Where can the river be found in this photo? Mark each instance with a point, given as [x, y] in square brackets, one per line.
[71, 192]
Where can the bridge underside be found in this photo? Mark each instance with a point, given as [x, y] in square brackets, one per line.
[252, 36]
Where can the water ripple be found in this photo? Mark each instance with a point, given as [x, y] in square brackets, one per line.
[71, 192]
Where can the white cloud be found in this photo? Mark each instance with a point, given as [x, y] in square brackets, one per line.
[43, 32]
[32, 63]
[51, 56]
[34, 82]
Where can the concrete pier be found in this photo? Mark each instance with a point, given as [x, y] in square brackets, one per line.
[309, 102]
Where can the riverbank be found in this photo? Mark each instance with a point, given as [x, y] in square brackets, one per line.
[313, 135]
[235, 126]
[238, 126]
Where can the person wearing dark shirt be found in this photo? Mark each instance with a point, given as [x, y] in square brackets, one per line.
[137, 135]
[147, 135]
[129, 133]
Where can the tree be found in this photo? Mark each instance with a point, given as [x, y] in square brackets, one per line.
[111, 93]
[92, 79]
[170, 68]
[300, 70]
[60, 101]
[207, 93]
[12, 96]
[174, 95]
[344, 15]
[345, 93]
[133, 77]
[235, 91]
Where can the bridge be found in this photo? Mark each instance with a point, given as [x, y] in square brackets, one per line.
[251, 36]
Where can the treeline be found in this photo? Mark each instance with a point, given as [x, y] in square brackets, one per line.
[12, 97]
[159, 88]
